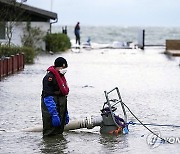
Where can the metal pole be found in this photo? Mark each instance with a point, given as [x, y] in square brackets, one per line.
[108, 102]
[122, 105]
[51, 4]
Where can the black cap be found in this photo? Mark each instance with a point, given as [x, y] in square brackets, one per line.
[60, 62]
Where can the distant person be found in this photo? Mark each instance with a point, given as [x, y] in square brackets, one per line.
[54, 98]
[87, 44]
[64, 30]
[89, 41]
[77, 33]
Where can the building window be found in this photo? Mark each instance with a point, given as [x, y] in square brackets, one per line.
[2, 30]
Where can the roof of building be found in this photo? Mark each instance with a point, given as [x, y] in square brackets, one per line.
[9, 9]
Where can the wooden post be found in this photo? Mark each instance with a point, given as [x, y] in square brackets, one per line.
[12, 63]
[1, 70]
[18, 62]
[15, 63]
[5, 67]
[23, 60]
[9, 68]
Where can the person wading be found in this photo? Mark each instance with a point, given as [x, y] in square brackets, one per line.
[54, 98]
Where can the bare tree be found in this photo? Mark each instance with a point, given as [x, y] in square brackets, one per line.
[32, 36]
[10, 13]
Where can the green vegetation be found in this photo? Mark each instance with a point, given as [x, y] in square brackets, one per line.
[31, 39]
[28, 52]
[57, 42]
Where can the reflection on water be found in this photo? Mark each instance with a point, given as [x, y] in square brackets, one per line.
[113, 143]
[148, 82]
[54, 144]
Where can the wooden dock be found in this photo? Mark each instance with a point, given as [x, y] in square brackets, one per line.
[173, 48]
[175, 53]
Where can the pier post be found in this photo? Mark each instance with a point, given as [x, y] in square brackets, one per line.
[1, 68]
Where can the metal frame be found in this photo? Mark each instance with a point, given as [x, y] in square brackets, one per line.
[116, 101]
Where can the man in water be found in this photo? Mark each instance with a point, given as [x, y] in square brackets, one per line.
[77, 33]
[54, 98]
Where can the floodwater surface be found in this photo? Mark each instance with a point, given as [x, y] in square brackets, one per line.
[149, 83]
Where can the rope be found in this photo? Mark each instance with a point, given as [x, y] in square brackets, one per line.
[152, 124]
[162, 139]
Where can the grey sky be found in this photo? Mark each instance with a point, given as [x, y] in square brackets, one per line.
[113, 12]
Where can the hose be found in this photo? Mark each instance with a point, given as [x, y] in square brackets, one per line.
[144, 124]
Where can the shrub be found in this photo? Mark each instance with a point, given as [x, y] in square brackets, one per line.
[57, 42]
[28, 52]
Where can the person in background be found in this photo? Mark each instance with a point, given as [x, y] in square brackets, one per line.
[77, 33]
[89, 41]
[64, 30]
[54, 98]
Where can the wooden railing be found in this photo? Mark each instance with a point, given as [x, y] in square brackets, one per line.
[10, 65]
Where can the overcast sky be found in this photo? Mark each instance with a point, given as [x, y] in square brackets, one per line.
[113, 12]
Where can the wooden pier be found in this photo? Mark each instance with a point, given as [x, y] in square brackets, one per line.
[173, 48]
[11, 65]
[175, 53]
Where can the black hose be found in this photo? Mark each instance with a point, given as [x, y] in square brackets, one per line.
[145, 125]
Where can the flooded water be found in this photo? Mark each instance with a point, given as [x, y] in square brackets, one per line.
[109, 34]
[149, 83]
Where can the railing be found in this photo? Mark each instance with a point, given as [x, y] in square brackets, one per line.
[10, 65]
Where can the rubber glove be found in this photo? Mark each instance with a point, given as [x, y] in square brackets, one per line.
[67, 118]
[56, 121]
